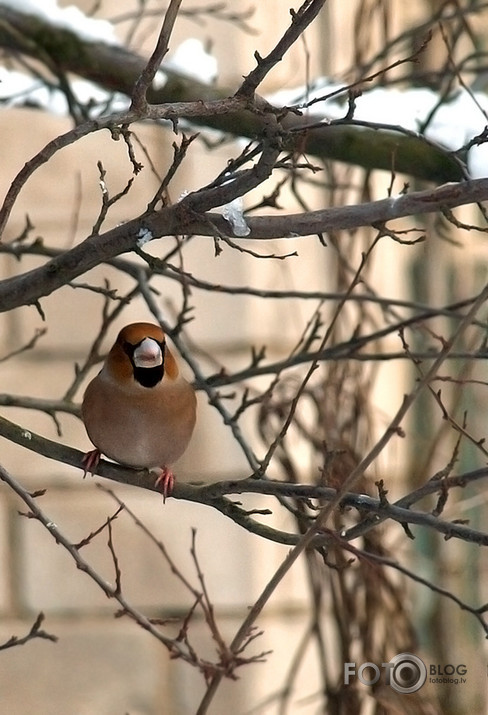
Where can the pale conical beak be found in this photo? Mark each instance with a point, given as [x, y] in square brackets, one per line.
[148, 354]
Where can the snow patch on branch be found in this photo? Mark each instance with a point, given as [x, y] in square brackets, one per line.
[18, 89]
[69, 18]
[233, 214]
[191, 59]
[144, 235]
[159, 80]
[449, 122]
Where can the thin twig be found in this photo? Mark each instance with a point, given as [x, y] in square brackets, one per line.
[139, 101]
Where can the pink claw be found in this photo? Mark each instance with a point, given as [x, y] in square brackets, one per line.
[90, 461]
[166, 480]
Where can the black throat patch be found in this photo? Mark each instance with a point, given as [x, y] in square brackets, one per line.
[146, 376]
[149, 376]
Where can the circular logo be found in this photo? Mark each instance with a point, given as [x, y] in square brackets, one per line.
[407, 673]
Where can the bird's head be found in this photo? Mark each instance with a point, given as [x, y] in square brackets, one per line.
[140, 353]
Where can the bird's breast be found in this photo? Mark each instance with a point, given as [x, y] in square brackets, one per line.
[140, 426]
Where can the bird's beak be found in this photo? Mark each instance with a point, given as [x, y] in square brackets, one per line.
[148, 354]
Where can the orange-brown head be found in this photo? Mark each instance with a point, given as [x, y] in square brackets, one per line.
[140, 354]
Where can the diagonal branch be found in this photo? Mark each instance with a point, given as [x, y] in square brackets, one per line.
[139, 96]
[214, 495]
[180, 219]
[301, 19]
[118, 69]
[35, 632]
[176, 648]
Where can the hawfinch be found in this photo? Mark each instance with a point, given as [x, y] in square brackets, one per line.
[139, 411]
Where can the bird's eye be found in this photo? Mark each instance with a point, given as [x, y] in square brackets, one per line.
[128, 348]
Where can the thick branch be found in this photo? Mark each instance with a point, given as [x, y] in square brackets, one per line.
[118, 69]
[214, 495]
[180, 219]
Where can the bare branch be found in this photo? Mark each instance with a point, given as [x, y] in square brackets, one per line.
[301, 19]
[118, 69]
[28, 346]
[180, 219]
[213, 494]
[139, 101]
[176, 648]
[35, 632]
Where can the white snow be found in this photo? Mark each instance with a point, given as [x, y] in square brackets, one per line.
[299, 96]
[233, 213]
[144, 236]
[69, 18]
[192, 60]
[19, 89]
[478, 161]
[159, 80]
[453, 122]
[189, 59]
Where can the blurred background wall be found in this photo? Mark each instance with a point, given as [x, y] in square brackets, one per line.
[102, 664]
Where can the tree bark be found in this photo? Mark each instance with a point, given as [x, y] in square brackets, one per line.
[117, 69]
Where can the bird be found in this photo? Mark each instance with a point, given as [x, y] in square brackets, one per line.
[139, 410]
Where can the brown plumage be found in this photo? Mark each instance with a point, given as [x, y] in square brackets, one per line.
[139, 410]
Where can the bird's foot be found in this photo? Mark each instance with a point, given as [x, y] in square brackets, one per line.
[165, 482]
[90, 461]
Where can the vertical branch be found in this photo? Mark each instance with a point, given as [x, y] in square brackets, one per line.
[139, 95]
[306, 540]
[301, 19]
